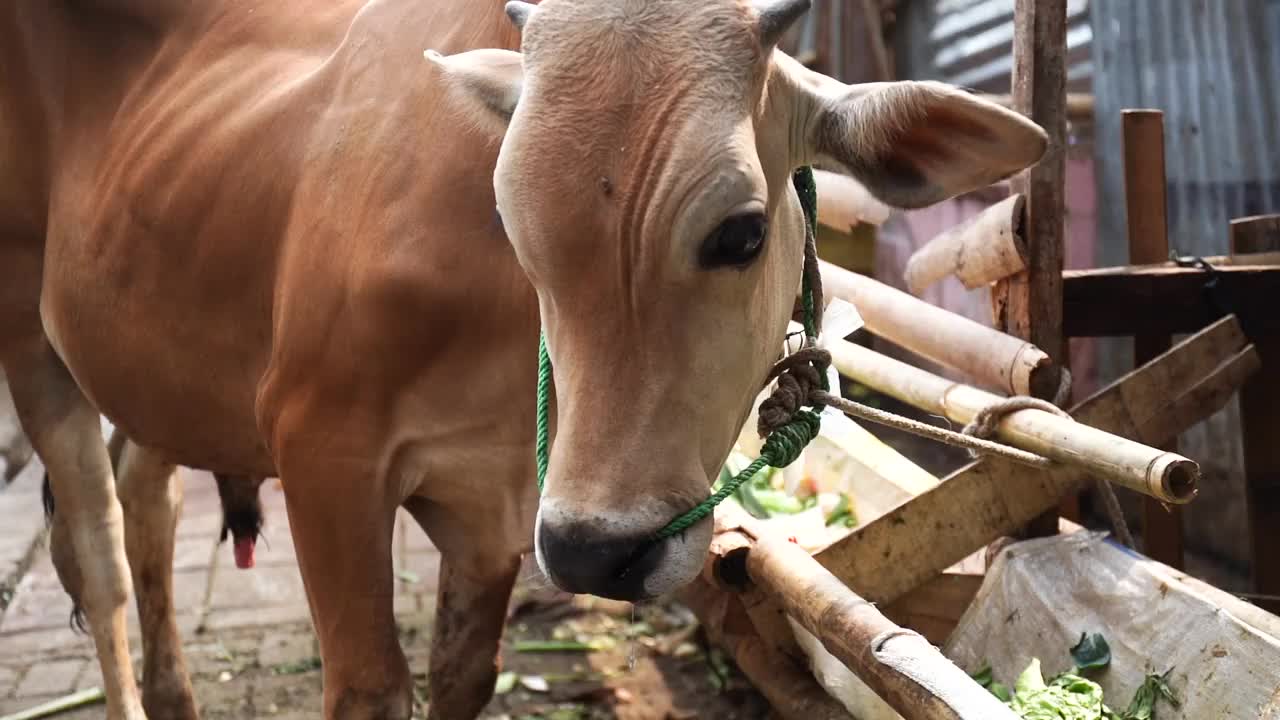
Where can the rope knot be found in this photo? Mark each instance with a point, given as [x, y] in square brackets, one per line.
[784, 444]
[799, 375]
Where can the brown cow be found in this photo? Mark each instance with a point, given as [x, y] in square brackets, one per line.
[260, 237]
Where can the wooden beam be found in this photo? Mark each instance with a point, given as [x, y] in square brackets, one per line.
[1126, 301]
[1029, 304]
[988, 499]
[1145, 204]
[1260, 425]
[934, 609]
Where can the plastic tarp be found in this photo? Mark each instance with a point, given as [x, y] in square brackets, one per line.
[1040, 595]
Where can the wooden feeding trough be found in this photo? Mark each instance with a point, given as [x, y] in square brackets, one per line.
[887, 618]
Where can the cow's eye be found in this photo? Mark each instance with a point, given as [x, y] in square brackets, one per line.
[736, 242]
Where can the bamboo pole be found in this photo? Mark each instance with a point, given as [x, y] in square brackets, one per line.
[793, 693]
[1160, 474]
[899, 665]
[988, 357]
[912, 543]
[987, 248]
[844, 202]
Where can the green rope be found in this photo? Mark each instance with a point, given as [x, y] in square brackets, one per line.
[781, 448]
[543, 446]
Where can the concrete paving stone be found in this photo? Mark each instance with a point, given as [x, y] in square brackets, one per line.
[52, 678]
[297, 695]
[425, 564]
[90, 676]
[45, 643]
[406, 604]
[280, 647]
[193, 553]
[224, 618]
[9, 677]
[89, 712]
[38, 602]
[260, 587]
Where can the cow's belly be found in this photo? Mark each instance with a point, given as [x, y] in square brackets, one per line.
[170, 356]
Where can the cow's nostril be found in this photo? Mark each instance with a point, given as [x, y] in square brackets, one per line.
[580, 559]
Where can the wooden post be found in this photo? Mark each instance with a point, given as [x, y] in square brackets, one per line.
[1029, 305]
[1145, 204]
[1260, 427]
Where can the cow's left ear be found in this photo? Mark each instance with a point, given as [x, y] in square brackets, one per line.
[911, 144]
[489, 80]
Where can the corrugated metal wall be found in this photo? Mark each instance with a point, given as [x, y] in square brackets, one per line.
[1213, 67]
[969, 43]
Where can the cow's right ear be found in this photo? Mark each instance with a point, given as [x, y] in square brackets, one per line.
[489, 80]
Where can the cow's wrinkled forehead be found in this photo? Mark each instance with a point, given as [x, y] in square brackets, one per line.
[615, 52]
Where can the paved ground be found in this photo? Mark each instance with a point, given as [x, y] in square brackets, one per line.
[252, 653]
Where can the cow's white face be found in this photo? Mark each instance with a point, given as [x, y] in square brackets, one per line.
[644, 181]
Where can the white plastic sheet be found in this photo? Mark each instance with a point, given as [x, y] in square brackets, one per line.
[1041, 594]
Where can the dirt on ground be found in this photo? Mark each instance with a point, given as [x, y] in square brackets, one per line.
[564, 658]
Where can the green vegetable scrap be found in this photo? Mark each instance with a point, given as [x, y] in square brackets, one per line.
[1066, 697]
[1142, 707]
[1070, 695]
[842, 513]
[1091, 652]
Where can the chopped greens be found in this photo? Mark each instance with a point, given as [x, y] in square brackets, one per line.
[1091, 652]
[1070, 695]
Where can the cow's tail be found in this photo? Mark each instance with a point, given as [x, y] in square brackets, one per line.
[78, 619]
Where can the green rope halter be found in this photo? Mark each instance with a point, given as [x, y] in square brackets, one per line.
[783, 446]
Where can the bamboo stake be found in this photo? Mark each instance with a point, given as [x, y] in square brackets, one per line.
[1146, 209]
[899, 665]
[987, 248]
[988, 357]
[1160, 474]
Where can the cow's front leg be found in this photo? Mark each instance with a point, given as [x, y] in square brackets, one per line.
[66, 432]
[151, 495]
[476, 577]
[341, 519]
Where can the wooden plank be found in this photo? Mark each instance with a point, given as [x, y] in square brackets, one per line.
[985, 500]
[1122, 302]
[1260, 426]
[1145, 204]
[935, 608]
[1029, 304]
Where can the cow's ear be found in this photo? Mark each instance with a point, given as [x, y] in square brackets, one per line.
[911, 144]
[490, 82]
